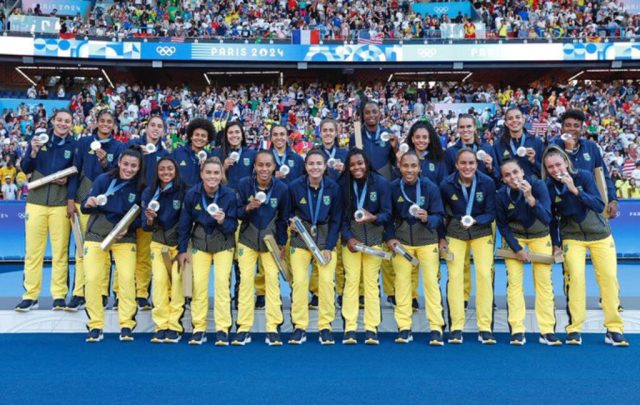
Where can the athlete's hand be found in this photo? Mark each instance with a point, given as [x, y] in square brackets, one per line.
[443, 245]
[253, 204]
[150, 215]
[339, 167]
[423, 215]
[531, 155]
[612, 209]
[219, 216]
[392, 242]
[92, 202]
[557, 251]
[327, 255]
[183, 259]
[61, 181]
[488, 162]
[228, 162]
[351, 244]
[523, 255]
[368, 217]
[71, 208]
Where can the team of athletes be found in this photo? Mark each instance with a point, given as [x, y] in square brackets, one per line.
[213, 201]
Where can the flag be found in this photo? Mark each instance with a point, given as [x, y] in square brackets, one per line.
[305, 37]
[539, 128]
[364, 37]
[177, 39]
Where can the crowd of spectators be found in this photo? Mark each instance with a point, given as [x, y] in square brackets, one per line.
[613, 111]
[343, 19]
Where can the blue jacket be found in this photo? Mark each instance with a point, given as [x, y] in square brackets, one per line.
[241, 169]
[587, 157]
[277, 206]
[430, 200]
[451, 153]
[377, 201]
[330, 207]
[55, 155]
[118, 203]
[512, 207]
[434, 171]
[189, 164]
[88, 164]
[530, 141]
[150, 159]
[338, 154]
[380, 153]
[195, 212]
[291, 159]
[170, 207]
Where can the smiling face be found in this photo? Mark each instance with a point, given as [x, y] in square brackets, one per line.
[234, 136]
[420, 139]
[514, 121]
[357, 167]
[128, 167]
[328, 133]
[467, 165]
[166, 172]
[572, 126]
[200, 138]
[62, 123]
[211, 175]
[555, 165]
[371, 114]
[315, 166]
[155, 129]
[467, 130]
[279, 138]
[410, 168]
[264, 166]
[512, 174]
[106, 124]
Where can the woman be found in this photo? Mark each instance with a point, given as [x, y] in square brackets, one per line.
[200, 133]
[263, 208]
[417, 213]
[111, 196]
[578, 225]
[367, 209]
[94, 156]
[162, 202]
[316, 201]
[380, 152]
[47, 212]
[209, 220]
[467, 132]
[284, 156]
[523, 214]
[469, 202]
[516, 144]
[236, 157]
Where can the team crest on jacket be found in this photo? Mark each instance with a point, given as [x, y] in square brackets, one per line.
[274, 202]
[505, 153]
[246, 161]
[110, 157]
[373, 196]
[421, 202]
[480, 196]
[303, 200]
[326, 200]
[432, 167]
[586, 156]
[67, 154]
[183, 163]
[454, 197]
[198, 207]
[132, 197]
[290, 163]
[400, 199]
[177, 204]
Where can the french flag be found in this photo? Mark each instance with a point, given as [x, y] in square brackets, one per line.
[305, 37]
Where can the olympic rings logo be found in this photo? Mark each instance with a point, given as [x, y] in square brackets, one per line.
[165, 50]
[427, 52]
[441, 10]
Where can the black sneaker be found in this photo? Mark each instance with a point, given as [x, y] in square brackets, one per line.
[486, 338]
[59, 304]
[27, 305]
[198, 338]
[466, 304]
[126, 335]
[326, 337]
[76, 304]
[159, 336]
[392, 300]
[172, 336]
[349, 338]
[299, 337]
[339, 301]
[435, 338]
[222, 338]
[115, 304]
[550, 339]
[616, 339]
[371, 338]
[415, 304]
[143, 304]
[187, 303]
[573, 338]
[105, 301]
[95, 335]
[518, 339]
[455, 337]
[313, 302]
[361, 301]
[273, 339]
[404, 336]
[241, 338]
[260, 302]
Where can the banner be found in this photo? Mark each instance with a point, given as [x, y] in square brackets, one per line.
[61, 7]
[33, 104]
[456, 31]
[451, 9]
[624, 227]
[463, 108]
[34, 24]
